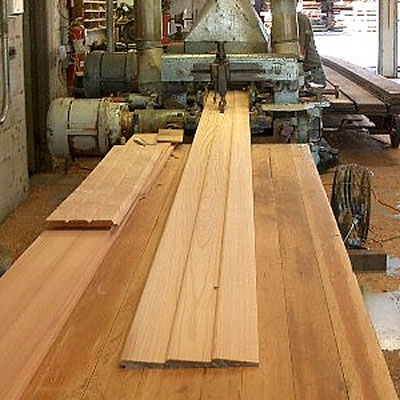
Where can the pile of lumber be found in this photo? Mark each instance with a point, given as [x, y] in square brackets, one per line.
[385, 89]
[104, 199]
[41, 290]
[199, 305]
[316, 340]
[352, 97]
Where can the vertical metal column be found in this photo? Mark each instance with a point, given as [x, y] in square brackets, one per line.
[388, 42]
[285, 28]
[110, 26]
[149, 17]
[5, 65]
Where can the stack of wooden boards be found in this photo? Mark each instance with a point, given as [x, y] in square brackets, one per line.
[371, 92]
[199, 306]
[316, 341]
[104, 199]
[39, 293]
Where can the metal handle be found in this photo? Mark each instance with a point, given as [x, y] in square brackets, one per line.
[5, 62]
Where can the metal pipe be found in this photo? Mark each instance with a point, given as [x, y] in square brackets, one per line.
[285, 28]
[110, 26]
[5, 62]
[148, 17]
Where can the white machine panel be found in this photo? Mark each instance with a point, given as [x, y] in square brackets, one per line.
[16, 7]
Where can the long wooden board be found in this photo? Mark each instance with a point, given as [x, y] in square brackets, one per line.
[197, 323]
[365, 102]
[341, 103]
[37, 296]
[236, 329]
[385, 89]
[112, 189]
[83, 363]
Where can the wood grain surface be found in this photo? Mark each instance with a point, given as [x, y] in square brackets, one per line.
[364, 101]
[83, 364]
[188, 315]
[112, 189]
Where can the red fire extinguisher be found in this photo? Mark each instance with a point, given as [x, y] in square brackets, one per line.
[76, 68]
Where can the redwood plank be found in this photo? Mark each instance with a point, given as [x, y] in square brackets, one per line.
[104, 199]
[364, 367]
[317, 369]
[193, 329]
[38, 295]
[149, 336]
[236, 331]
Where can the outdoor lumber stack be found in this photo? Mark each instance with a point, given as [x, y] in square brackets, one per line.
[385, 89]
[41, 290]
[199, 306]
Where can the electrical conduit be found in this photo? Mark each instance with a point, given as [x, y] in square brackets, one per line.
[5, 61]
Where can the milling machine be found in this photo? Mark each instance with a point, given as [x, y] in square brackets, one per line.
[227, 48]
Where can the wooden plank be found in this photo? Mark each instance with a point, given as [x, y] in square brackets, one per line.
[83, 364]
[192, 334]
[106, 196]
[340, 104]
[99, 317]
[196, 328]
[170, 135]
[362, 361]
[236, 330]
[365, 101]
[38, 295]
[157, 308]
[385, 89]
[317, 374]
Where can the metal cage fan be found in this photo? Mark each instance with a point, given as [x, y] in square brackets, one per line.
[351, 203]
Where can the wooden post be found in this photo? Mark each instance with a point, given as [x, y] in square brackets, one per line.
[388, 43]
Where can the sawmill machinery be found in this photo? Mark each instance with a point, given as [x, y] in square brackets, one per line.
[227, 48]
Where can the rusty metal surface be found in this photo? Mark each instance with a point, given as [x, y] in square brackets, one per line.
[232, 21]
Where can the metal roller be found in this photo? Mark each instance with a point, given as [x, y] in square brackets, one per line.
[107, 73]
[81, 127]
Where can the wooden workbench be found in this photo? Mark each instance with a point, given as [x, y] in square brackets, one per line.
[316, 339]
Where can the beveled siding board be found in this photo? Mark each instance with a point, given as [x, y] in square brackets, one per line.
[236, 331]
[148, 339]
[200, 321]
[38, 295]
[193, 330]
[106, 196]
[99, 318]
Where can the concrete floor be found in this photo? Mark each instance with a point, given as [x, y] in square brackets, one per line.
[48, 190]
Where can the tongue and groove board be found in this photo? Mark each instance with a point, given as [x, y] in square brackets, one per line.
[189, 314]
[83, 363]
[112, 189]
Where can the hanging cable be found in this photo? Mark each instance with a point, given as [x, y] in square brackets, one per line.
[5, 62]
